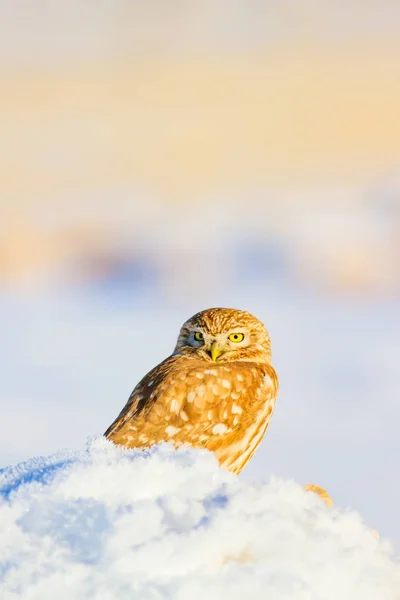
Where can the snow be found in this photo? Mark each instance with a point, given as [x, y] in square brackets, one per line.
[70, 362]
[110, 523]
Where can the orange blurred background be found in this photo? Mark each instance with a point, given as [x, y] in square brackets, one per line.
[123, 104]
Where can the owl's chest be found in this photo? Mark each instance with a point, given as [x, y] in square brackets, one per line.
[229, 410]
[220, 400]
[222, 380]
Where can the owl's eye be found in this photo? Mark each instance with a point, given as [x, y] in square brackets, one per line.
[198, 336]
[236, 337]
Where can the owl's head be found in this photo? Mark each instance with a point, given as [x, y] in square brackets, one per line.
[223, 335]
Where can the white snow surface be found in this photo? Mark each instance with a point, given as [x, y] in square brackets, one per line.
[115, 524]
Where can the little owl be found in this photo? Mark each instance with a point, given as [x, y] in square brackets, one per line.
[216, 391]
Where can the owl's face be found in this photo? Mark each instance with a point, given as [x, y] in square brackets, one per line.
[224, 334]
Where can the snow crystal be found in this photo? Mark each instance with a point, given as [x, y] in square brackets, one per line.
[114, 524]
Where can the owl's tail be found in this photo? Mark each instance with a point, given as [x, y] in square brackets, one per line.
[316, 489]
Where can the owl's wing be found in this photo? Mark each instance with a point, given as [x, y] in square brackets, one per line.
[143, 396]
[131, 408]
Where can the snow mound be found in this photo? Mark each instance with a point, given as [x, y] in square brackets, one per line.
[113, 524]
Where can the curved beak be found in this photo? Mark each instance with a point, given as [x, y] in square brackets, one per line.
[215, 351]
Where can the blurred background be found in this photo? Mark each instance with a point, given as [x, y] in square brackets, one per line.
[160, 158]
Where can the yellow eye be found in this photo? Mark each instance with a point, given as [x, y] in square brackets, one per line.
[198, 336]
[236, 337]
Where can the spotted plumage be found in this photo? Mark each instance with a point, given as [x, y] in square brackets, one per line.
[216, 391]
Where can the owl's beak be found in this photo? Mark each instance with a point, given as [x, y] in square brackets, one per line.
[215, 351]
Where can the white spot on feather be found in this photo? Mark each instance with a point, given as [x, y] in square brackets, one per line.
[191, 396]
[236, 409]
[200, 390]
[267, 381]
[175, 406]
[170, 430]
[226, 383]
[219, 428]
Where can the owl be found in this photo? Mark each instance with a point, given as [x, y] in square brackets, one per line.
[216, 391]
